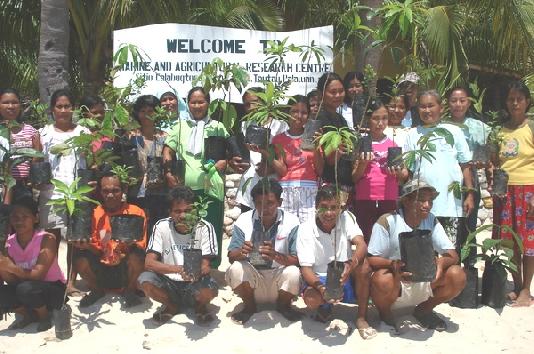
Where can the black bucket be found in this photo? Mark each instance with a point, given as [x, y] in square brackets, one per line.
[237, 147]
[344, 171]
[366, 144]
[129, 158]
[4, 224]
[127, 227]
[468, 298]
[214, 148]
[80, 223]
[334, 289]
[481, 153]
[494, 285]
[61, 318]
[308, 136]
[192, 262]
[394, 156]
[500, 182]
[40, 173]
[154, 171]
[255, 257]
[256, 135]
[86, 176]
[417, 254]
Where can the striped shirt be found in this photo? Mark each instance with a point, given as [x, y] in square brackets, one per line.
[169, 244]
[22, 139]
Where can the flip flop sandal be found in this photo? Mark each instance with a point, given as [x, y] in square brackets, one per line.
[161, 316]
[367, 333]
[204, 318]
[431, 320]
[324, 313]
[22, 323]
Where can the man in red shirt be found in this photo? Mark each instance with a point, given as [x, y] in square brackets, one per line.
[106, 263]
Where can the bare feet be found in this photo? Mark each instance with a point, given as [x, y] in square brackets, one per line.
[365, 330]
[512, 296]
[524, 299]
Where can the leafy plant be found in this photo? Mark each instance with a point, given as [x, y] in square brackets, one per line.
[219, 75]
[495, 251]
[427, 147]
[71, 194]
[123, 173]
[334, 138]
[199, 211]
[270, 105]
[36, 114]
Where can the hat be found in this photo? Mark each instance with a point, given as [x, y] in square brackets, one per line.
[410, 77]
[415, 185]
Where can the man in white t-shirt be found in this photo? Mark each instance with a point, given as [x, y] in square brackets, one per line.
[274, 277]
[165, 280]
[331, 237]
[390, 286]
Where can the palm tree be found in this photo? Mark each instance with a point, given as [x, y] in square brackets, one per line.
[53, 47]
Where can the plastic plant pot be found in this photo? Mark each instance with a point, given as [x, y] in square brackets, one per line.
[417, 253]
[127, 227]
[494, 285]
[236, 147]
[500, 182]
[307, 138]
[4, 224]
[256, 135]
[40, 173]
[86, 176]
[214, 148]
[192, 262]
[154, 171]
[366, 144]
[137, 141]
[80, 223]
[481, 153]
[178, 170]
[344, 171]
[394, 156]
[255, 257]
[334, 289]
[468, 298]
[61, 318]
[130, 159]
[358, 109]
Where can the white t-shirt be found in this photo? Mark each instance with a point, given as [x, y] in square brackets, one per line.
[169, 243]
[283, 232]
[397, 134]
[385, 236]
[63, 167]
[277, 127]
[346, 111]
[315, 248]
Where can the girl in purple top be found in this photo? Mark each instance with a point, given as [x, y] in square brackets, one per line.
[377, 185]
[35, 283]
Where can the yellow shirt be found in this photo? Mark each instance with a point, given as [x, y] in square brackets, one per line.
[517, 155]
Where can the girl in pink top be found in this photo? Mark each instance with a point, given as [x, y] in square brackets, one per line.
[377, 186]
[297, 169]
[35, 283]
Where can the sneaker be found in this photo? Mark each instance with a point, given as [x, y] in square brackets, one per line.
[91, 298]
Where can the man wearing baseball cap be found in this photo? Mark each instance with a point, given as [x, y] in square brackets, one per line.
[390, 286]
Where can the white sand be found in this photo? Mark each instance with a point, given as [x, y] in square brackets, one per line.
[105, 328]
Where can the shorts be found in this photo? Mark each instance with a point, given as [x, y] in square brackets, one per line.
[412, 294]
[182, 293]
[107, 276]
[266, 282]
[349, 297]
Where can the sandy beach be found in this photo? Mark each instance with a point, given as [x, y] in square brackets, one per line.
[106, 328]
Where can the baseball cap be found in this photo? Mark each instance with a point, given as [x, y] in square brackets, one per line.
[411, 77]
[414, 185]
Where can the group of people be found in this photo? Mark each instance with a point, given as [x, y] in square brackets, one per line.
[307, 216]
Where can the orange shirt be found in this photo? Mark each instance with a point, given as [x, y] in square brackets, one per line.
[101, 236]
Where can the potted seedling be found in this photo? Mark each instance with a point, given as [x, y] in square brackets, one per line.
[417, 254]
[132, 183]
[78, 207]
[498, 257]
[193, 254]
[331, 141]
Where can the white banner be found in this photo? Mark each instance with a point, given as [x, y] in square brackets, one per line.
[174, 55]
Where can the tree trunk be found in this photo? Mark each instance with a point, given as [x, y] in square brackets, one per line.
[53, 60]
[366, 54]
